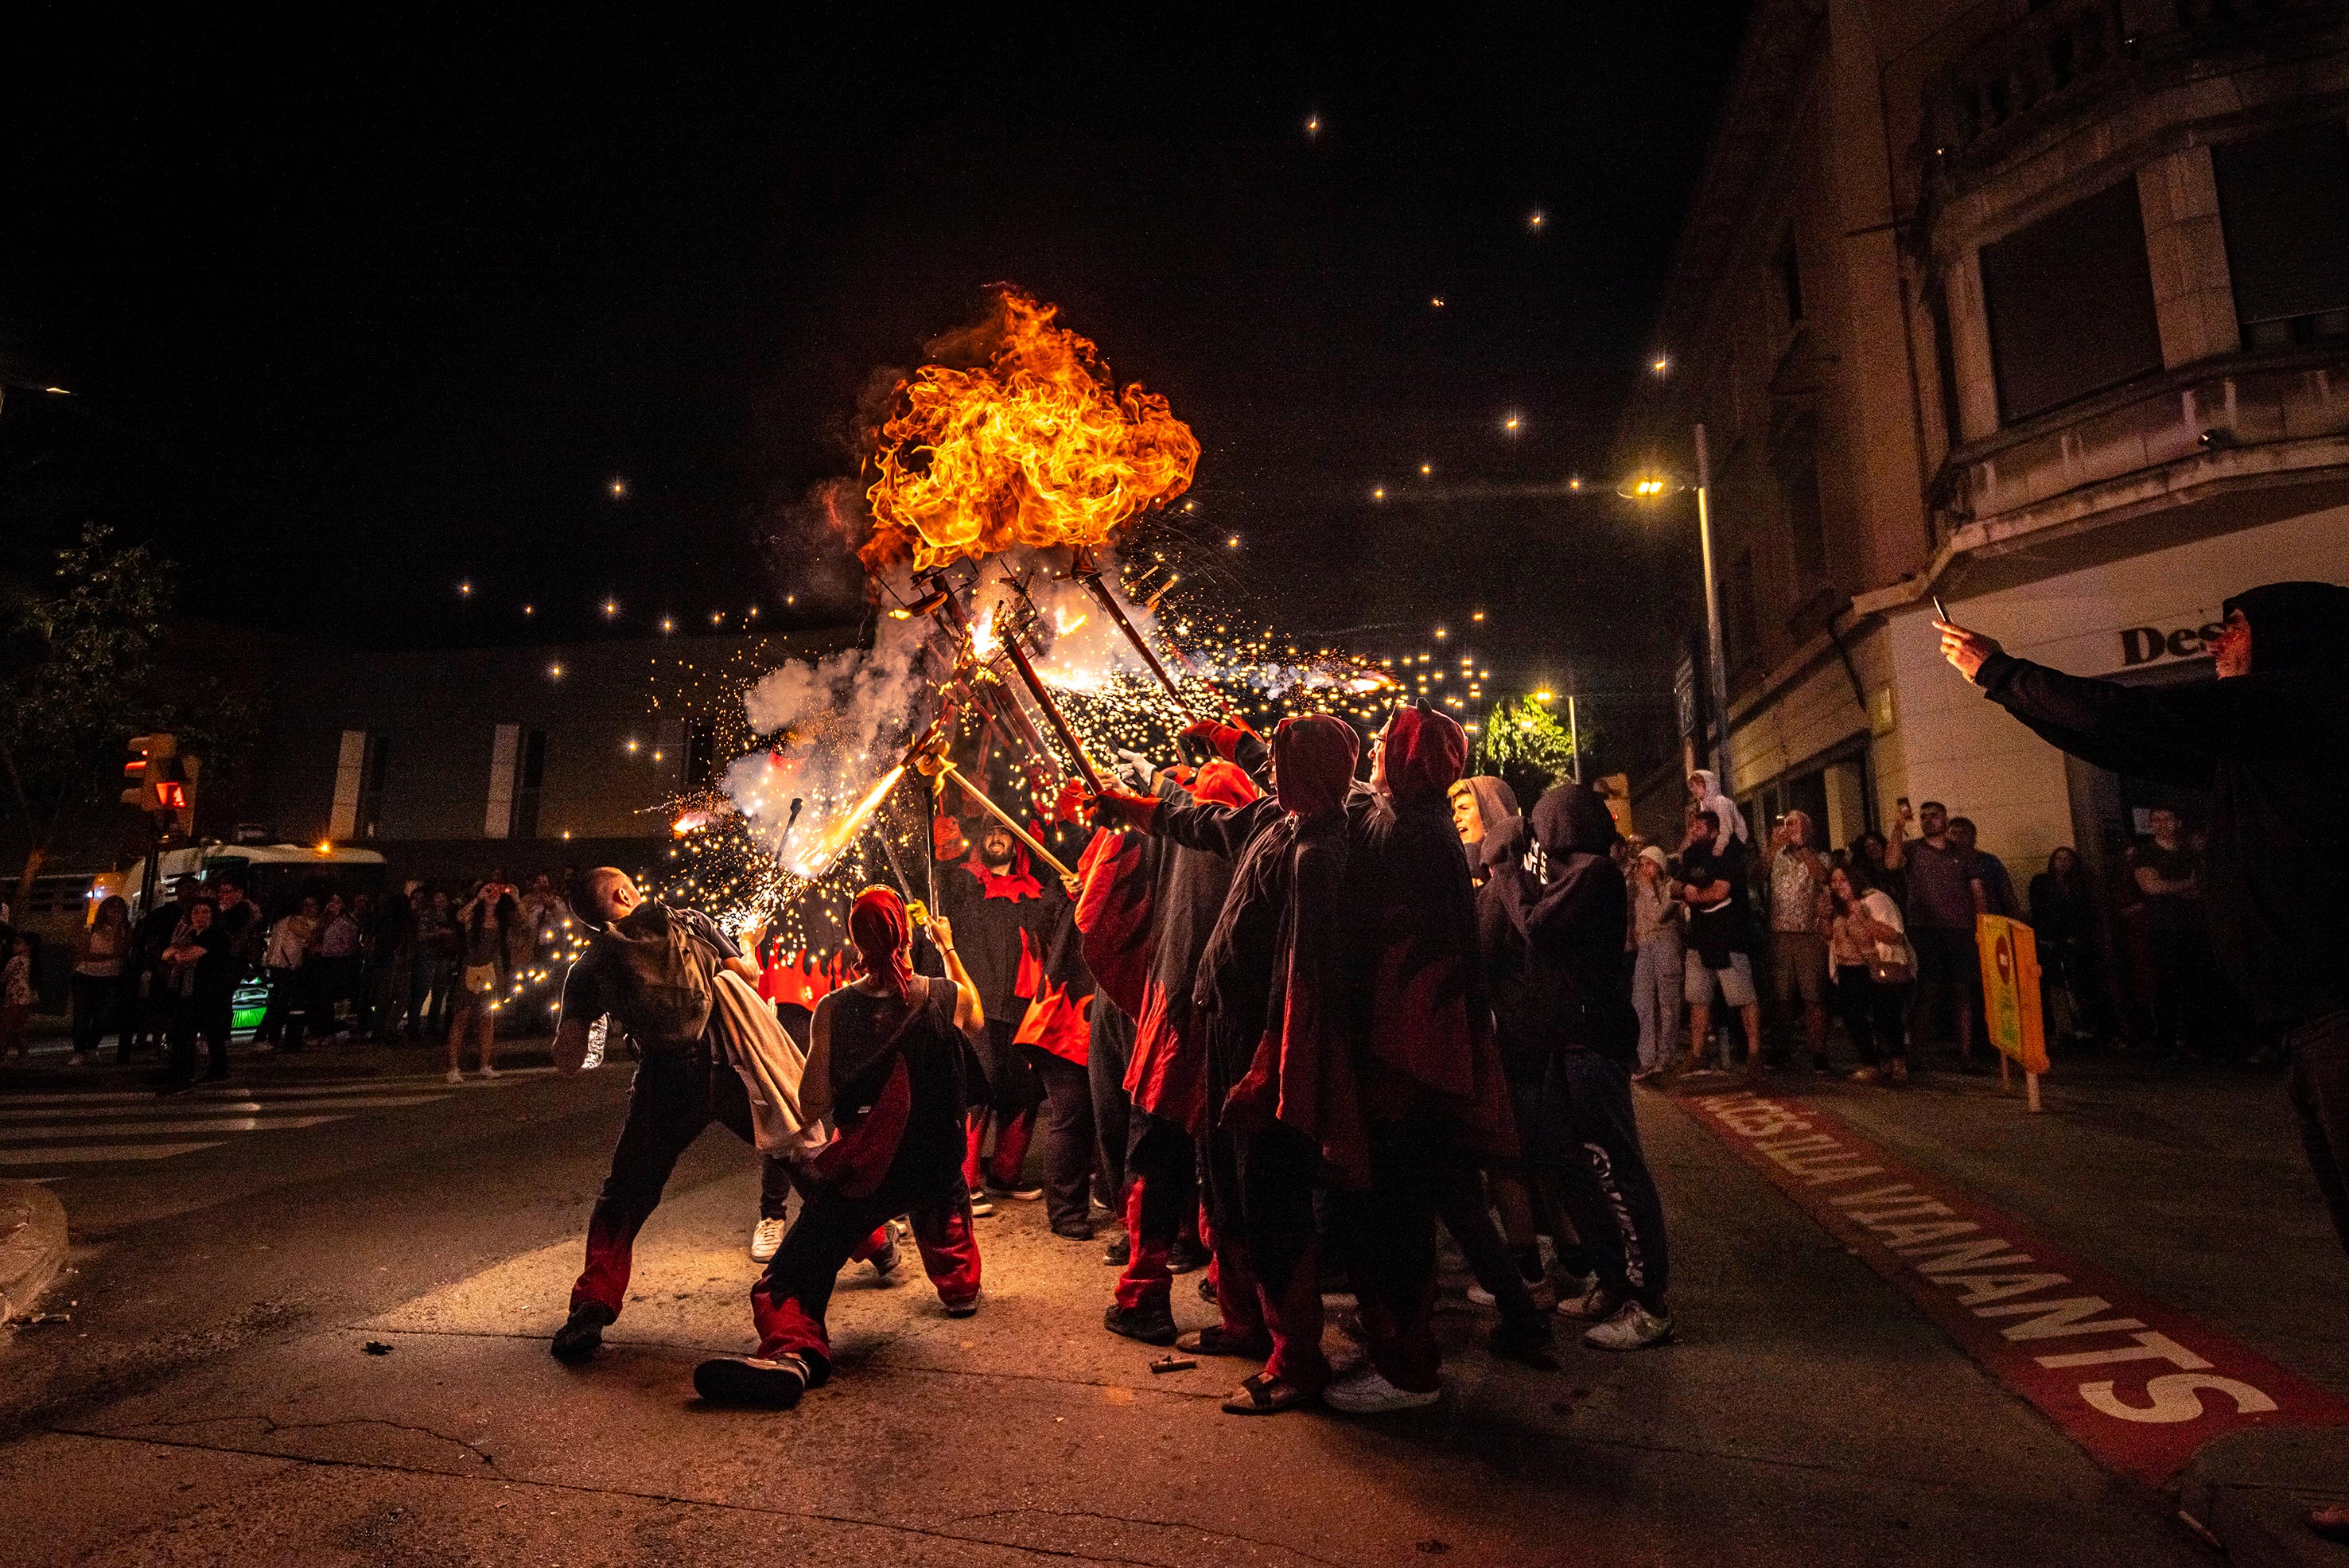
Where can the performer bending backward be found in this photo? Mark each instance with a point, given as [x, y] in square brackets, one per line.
[888, 1065]
[640, 968]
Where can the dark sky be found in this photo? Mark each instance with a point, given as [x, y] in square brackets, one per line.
[357, 306]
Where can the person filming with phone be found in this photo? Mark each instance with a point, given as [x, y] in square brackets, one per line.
[2270, 741]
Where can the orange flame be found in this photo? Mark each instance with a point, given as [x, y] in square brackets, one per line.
[1037, 447]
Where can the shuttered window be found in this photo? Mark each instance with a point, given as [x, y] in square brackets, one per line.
[2071, 304]
[2283, 199]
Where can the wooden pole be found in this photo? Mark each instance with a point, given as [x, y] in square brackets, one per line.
[1003, 816]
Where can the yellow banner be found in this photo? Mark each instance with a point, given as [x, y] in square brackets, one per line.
[2010, 973]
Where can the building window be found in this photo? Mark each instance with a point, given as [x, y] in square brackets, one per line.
[2283, 199]
[370, 822]
[698, 755]
[2071, 304]
[1806, 522]
[1741, 631]
[1789, 266]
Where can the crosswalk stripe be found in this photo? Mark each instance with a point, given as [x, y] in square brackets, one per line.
[96, 1153]
[12, 1136]
[345, 1103]
[400, 1084]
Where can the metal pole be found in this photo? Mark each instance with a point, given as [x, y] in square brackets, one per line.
[1716, 665]
[1574, 736]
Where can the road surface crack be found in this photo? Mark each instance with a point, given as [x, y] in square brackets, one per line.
[271, 1427]
[1185, 1525]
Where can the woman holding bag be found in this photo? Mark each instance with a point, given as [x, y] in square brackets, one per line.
[1873, 972]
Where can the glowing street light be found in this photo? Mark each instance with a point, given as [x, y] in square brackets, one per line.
[1651, 485]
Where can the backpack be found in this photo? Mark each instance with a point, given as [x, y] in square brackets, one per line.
[664, 987]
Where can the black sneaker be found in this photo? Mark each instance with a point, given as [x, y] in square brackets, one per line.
[1118, 1253]
[1528, 1340]
[1187, 1255]
[576, 1340]
[1073, 1231]
[1207, 1288]
[773, 1385]
[1152, 1323]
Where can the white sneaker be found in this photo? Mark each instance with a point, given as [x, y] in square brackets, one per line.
[979, 1205]
[1633, 1327]
[766, 1239]
[77, 1060]
[455, 1076]
[489, 1072]
[1367, 1394]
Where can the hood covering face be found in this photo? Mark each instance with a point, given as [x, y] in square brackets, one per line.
[1424, 753]
[1313, 759]
[2295, 626]
[1572, 820]
[1497, 803]
[876, 924]
[1731, 821]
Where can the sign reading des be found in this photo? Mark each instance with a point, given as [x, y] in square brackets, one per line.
[2144, 644]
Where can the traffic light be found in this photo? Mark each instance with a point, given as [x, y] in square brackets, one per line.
[152, 759]
[181, 798]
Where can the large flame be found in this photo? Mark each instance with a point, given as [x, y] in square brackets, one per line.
[1036, 447]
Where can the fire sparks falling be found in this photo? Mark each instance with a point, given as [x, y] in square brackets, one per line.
[817, 858]
[1037, 447]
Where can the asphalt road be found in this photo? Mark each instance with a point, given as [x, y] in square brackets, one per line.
[211, 1398]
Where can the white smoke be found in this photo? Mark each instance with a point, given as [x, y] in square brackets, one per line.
[837, 725]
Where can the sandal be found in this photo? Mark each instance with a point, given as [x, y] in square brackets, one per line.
[1213, 1340]
[1264, 1395]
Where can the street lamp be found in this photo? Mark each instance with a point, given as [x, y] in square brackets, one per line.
[1654, 484]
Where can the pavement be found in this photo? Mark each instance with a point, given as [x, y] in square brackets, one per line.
[216, 1396]
[32, 1245]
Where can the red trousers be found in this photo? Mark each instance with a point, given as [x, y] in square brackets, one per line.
[1001, 1168]
[674, 1096]
[1161, 1196]
[790, 1300]
[1268, 1251]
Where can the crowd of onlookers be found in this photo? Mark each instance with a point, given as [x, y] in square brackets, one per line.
[1775, 940]
[321, 964]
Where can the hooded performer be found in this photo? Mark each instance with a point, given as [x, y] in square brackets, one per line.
[1434, 1099]
[2270, 741]
[1280, 1023]
[1550, 920]
[887, 1066]
[1149, 906]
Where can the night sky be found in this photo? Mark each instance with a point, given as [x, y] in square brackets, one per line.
[358, 306]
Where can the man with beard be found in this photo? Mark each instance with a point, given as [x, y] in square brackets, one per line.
[1004, 919]
[2270, 741]
[1148, 908]
[647, 968]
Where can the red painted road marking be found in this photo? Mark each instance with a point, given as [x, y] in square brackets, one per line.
[2139, 1386]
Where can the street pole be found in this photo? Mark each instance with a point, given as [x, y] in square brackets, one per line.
[1574, 736]
[1716, 666]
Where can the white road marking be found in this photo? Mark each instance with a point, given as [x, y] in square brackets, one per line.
[97, 1153]
[9, 1136]
[184, 1106]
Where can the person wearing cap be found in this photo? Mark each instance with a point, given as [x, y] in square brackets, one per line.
[2270, 741]
[889, 1059]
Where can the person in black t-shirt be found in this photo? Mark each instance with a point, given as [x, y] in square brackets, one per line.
[2169, 875]
[888, 1065]
[1720, 957]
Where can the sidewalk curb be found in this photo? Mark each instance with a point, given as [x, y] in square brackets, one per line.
[32, 1244]
[2252, 1491]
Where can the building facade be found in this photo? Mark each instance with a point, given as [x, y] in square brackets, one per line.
[2042, 308]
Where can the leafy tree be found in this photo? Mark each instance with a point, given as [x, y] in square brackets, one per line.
[1522, 744]
[82, 676]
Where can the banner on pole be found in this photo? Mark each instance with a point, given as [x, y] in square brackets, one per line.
[2009, 974]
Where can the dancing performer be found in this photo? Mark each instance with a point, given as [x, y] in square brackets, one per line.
[888, 1065]
[647, 967]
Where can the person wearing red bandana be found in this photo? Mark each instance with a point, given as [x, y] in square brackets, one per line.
[1148, 907]
[887, 1068]
[1272, 989]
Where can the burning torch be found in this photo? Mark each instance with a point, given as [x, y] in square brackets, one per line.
[928, 756]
